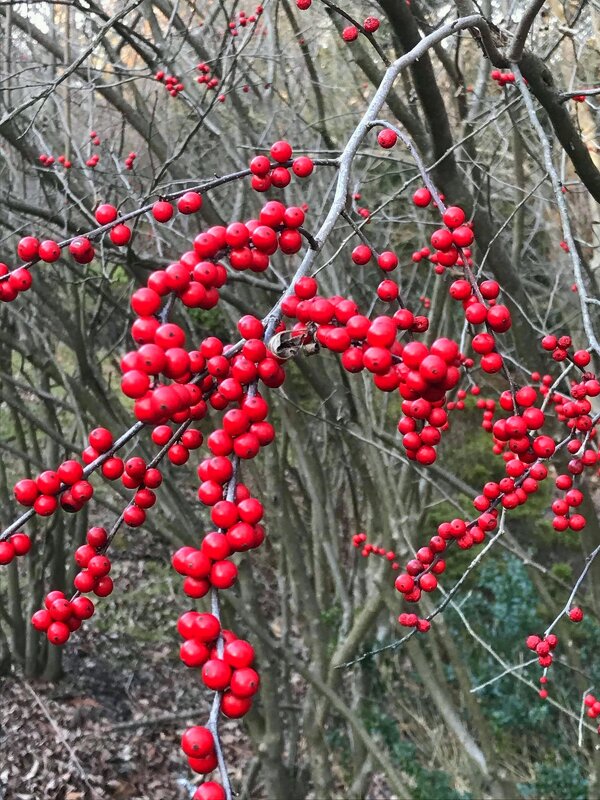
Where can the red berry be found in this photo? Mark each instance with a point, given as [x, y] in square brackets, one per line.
[189, 203]
[210, 790]
[453, 217]
[244, 682]
[28, 248]
[105, 214]
[387, 138]
[422, 197]
[216, 674]
[197, 742]
[281, 151]
[162, 211]
[49, 251]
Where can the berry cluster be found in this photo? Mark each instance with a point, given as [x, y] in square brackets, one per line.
[542, 646]
[67, 482]
[502, 78]
[593, 707]
[265, 175]
[242, 20]
[451, 244]
[205, 76]
[229, 672]
[367, 549]
[48, 161]
[172, 84]
[559, 346]
[129, 161]
[61, 616]
[19, 544]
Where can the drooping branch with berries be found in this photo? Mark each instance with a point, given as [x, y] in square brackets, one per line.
[192, 390]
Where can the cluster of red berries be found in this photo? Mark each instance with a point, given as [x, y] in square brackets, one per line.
[42, 494]
[195, 278]
[19, 280]
[575, 413]
[422, 375]
[543, 647]
[205, 76]
[521, 481]
[93, 160]
[230, 672]
[559, 346]
[512, 490]
[130, 160]
[488, 406]
[199, 746]
[94, 564]
[563, 508]
[593, 707]
[48, 161]
[61, 616]
[19, 544]
[359, 540]
[421, 571]
[502, 78]
[426, 254]
[451, 244]
[351, 32]
[238, 520]
[426, 375]
[247, 250]
[136, 475]
[461, 395]
[264, 175]
[516, 432]
[172, 84]
[481, 307]
[243, 20]
[93, 576]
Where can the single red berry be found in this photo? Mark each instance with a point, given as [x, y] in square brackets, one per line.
[350, 34]
[387, 138]
[422, 197]
[197, 742]
[49, 251]
[281, 151]
[216, 674]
